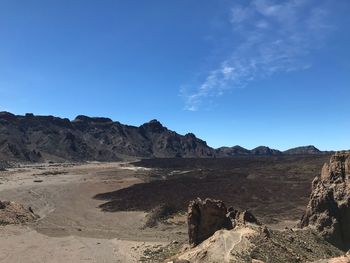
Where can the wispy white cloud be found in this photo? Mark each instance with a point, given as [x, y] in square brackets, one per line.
[273, 36]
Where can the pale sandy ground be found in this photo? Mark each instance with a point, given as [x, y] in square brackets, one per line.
[71, 227]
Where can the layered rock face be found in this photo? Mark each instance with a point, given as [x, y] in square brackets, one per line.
[329, 208]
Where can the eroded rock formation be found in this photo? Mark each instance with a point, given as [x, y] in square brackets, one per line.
[248, 240]
[205, 217]
[328, 210]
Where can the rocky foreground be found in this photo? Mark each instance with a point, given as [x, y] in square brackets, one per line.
[237, 236]
[218, 234]
[328, 211]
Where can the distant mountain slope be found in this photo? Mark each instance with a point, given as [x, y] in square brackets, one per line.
[263, 150]
[232, 151]
[239, 151]
[303, 150]
[43, 138]
[36, 138]
[266, 151]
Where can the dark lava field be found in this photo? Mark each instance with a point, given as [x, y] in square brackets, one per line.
[274, 188]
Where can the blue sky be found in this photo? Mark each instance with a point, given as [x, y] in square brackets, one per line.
[252, 73]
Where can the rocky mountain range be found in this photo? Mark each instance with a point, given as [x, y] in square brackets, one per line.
[45, 138]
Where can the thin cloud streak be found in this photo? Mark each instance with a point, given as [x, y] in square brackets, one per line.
[274, 37]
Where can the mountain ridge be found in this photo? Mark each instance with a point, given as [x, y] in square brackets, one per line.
[38, 138]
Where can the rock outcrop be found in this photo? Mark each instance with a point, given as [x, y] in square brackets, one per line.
[328, 210]
[205, 217]
[14, 213]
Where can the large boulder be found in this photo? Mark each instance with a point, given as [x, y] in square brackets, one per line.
[205, 217]
[328, 210]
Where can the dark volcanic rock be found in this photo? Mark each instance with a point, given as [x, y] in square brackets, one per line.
[41, 138]
[241, 217]
[329, 208]
[84, 118]
[153, 126]
[247, 217]
[205, 218]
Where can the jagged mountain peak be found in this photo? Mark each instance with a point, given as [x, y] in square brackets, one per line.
[153, 126]
[190, 135]
[84, 118]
